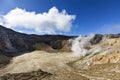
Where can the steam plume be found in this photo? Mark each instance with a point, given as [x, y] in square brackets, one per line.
[80, 45]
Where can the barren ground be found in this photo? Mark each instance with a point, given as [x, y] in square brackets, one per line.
[58, 65]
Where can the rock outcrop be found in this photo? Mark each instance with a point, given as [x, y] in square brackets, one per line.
[34, 75]
[97, 38]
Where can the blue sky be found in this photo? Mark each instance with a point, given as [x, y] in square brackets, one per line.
[91, 16]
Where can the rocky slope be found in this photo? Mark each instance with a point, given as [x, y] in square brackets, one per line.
[107, 51]
[103, 62]
[50, 57]
[13, 43]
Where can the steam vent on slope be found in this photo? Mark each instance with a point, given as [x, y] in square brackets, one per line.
[58, 57]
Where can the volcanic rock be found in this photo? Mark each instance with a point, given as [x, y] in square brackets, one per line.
[34, 75]
[13, 43]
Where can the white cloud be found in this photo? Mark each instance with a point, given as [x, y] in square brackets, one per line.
[47, 22]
